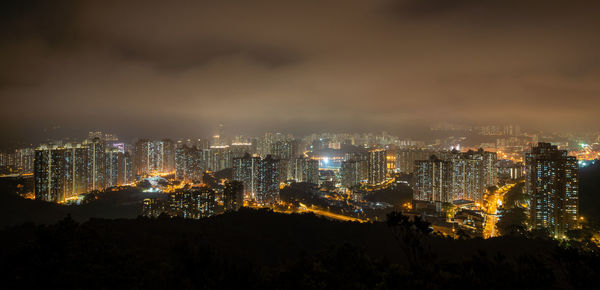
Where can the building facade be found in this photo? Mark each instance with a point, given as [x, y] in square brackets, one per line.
[65, 171]
[233, 195]
[154, 157]
[189, 163]
[552, 183]
[352, 173]
[377, 169]
[433, 180]
[455, 176]
[304, 170]
[260, 178]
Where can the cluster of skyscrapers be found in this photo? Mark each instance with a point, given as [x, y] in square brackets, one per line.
[191, 157]
[259, 166]
[65, 171]
[154, 156]
[261, 177]
[62, 171]
[368, 168]
[196, 202]
[18, 161]
[455, 175]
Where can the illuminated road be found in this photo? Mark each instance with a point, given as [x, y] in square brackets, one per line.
[304, 209]
[328, 214]
[493, 201]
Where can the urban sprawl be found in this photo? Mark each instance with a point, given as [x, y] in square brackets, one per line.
[459, 180]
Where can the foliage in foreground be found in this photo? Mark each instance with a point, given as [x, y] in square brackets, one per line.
[173, 253]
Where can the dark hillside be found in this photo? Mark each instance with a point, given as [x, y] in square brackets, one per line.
[261, 249]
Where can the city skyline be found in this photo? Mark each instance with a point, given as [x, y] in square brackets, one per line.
[429, 134]
[300, 144]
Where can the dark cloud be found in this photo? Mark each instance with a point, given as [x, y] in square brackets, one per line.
[183, 56]
[53, 22]
[432, 7]
[178, 67]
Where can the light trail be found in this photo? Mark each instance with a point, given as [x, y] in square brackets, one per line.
[330, 214]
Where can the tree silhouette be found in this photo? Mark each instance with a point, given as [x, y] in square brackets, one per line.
[512, 222]
[410, 235]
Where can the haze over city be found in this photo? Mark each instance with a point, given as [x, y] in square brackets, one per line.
[177, 68]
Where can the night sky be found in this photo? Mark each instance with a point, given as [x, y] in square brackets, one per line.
[177, 68]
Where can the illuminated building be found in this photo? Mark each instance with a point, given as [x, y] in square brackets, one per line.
[552, 183]
[433, 177]
[488, 167]
[233, 195]
[112, 166]
[265, 144]
[96, 164]
[24, 159]
[61, 172]
[510, 170]
[6, 163]
[390, 161]
[456, 175]
[466, 176]
[75, 165]
[219, 137]
[320, 144]
[239, 149]
[285, 149]
[18, 161]
[125, 169]
[96, 134]
[408, 143]
[268, 181]
[352, 172]
[405, 160]
[512, 130]
[466, 179]
[118, 167]
[218, 157]
[260, 178]
[49, 173]
[206, 202]
[194, 203]
[334, 145]
[304, 170]
[6, 159]
[65, 171]
[245, 170]
[377, 169]
[154, 156]
[189, 163]
[153, 207]
[203, 144]
[491, 130]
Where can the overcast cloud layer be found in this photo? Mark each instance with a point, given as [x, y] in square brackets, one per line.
[176, 68]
